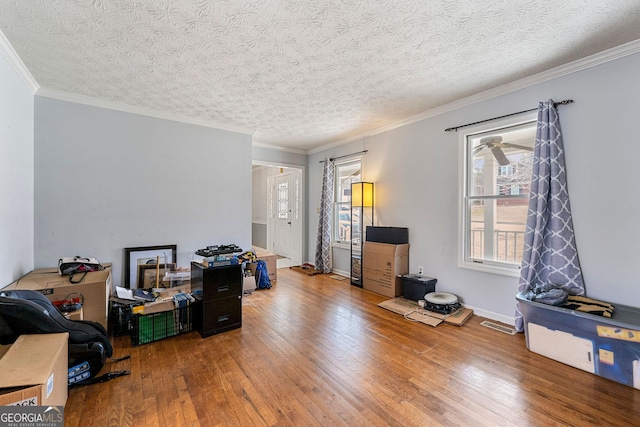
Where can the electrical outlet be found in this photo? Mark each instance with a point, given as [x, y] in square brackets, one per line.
[420, 269]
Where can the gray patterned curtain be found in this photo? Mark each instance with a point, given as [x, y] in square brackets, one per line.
[550, 267]
[323, 242]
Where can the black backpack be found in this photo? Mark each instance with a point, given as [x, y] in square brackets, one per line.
[30, 312]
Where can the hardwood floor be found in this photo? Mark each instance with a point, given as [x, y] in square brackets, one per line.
[314, 351]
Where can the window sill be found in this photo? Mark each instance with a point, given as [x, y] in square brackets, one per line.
[341, 245]
[486, 267]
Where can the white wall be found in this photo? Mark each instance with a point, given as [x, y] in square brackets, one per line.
[106, 180]
[278, 157]
[259, 206]
[259, 188]
[415, 169]
[16, 176]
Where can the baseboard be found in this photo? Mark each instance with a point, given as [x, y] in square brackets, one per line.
[340, 272]
[507, 320]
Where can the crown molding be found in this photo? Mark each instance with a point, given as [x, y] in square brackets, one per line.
[101, 103]
[279, 148]
[560, 71]
[16, 63]
[358, 137]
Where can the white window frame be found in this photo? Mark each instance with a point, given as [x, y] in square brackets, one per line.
[345, 244]
[487, 266]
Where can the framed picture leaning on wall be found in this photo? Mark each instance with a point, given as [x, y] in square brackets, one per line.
[145, 255]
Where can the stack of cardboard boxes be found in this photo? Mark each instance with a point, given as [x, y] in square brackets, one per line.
[34, 368]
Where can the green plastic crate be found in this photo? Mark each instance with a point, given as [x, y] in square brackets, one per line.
[153, 327]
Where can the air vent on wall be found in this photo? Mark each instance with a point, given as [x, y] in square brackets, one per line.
[498, 327]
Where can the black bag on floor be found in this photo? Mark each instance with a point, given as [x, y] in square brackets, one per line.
[30, 312]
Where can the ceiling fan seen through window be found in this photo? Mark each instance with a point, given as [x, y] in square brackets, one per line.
[496, 145]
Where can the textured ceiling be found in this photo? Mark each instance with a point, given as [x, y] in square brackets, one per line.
[303, 73]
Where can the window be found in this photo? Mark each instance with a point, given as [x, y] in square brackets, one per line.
[283, 200]
[345, 174]
[496, 168]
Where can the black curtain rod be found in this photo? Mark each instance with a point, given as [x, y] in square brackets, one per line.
[346, 155]
[566, 101]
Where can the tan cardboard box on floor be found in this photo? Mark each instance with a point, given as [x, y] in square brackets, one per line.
[35, 371]
[382, 263]
[95, 288]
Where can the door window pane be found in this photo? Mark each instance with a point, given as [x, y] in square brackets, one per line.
[283, 200]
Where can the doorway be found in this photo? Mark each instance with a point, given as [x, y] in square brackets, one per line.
[278, 215]
[282, 218]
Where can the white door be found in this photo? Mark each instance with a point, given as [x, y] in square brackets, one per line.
[282, 220]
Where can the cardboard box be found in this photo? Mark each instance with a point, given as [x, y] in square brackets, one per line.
[165, 293]
[95, 288]
[164, 301]
[4, 349]
[155, 307]
[35, 371]
[433, 318]
[459, 317]
[412, 311]
[382, 264]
